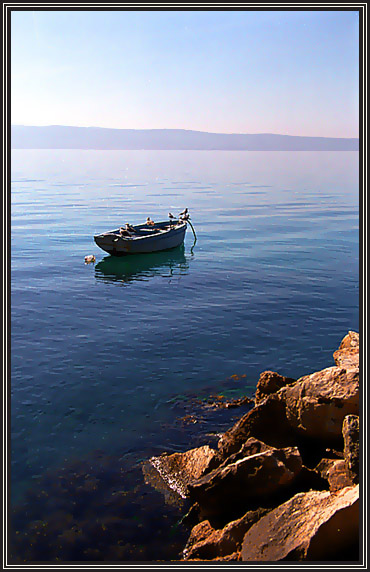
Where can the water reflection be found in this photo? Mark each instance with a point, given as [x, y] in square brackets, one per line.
[142, 266]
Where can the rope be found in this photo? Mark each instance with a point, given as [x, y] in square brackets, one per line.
[192, 228]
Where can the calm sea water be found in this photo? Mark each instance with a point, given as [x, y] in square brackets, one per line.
[109, 360]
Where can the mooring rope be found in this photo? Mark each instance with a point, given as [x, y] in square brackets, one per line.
[192, 228]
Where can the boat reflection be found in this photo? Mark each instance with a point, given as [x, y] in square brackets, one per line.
[142, 266]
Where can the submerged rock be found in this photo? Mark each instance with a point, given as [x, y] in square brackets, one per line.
[310, 526]
[221, 402]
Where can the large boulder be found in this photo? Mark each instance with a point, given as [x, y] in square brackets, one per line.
[317, 404]
[267, 422]
[310, 526]
[208, 543]
[247, 483]
[178, 469]
[347, 356]
[270, 382]
[351, 437]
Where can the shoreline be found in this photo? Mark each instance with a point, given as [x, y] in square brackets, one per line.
[283, 482]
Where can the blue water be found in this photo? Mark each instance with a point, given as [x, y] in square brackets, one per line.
[106, 358]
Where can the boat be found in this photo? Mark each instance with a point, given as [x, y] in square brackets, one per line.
[143, 238]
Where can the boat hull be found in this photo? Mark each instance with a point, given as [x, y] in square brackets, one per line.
[117, 245]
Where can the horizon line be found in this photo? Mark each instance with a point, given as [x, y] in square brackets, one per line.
[181, 129]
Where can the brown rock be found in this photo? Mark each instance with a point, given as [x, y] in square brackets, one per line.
[205, 543]
[312, 408]
[209, 543]
[318, 403]
[347, 359]
[270, 382]
[351, 436]
[267, 422]
[336, 473]
[324, 466]
[338, 476]
[252, 446]
[350, 341]
[310, 526]
[244, 483]
[347, 356]
[178, 469]
[233, 533]
[199, 533]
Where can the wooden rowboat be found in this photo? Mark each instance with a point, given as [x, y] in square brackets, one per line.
[143, 238]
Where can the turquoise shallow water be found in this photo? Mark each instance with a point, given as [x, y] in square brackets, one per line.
[107, 358]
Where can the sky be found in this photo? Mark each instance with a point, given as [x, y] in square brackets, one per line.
[286, 72]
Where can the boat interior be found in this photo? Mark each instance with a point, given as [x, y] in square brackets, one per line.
[145, 229]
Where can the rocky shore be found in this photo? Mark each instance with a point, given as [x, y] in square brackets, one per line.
[283, 483]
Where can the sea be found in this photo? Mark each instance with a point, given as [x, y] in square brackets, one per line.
[120, 360]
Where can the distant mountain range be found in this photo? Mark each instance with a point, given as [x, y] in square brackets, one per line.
[63, 137]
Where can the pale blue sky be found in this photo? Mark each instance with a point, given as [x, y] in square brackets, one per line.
[290, 72]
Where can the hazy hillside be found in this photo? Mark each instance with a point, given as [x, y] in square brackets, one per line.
[61, 137]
